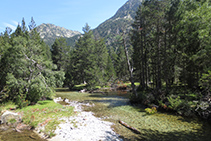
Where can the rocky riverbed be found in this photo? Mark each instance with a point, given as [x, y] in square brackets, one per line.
[84, 126]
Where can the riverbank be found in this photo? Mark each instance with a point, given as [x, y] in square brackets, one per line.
[106, 110]
[159, 126]
[83, 126]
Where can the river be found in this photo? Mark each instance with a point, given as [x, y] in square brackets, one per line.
[115, 106]
[157, 127]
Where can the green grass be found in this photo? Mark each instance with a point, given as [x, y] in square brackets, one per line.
[79, 87]
[7, 106]
[12, 121]
[45, 113]
[159, 126]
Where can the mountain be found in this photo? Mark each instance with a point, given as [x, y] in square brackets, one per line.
[122, 20]
[49, 32]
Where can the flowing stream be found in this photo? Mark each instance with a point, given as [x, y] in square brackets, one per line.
[115, 106]
[157, 127]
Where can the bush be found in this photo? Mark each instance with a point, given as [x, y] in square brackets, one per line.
[151, 110]
[143, 98]
[175, 102]
[181, 106]
[203, 109]
[205, 81]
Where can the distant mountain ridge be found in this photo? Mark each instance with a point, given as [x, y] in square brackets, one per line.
[128, 10]
[122, 20]
[49, 32]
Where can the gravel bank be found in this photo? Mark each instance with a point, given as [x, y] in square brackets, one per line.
[84, 126]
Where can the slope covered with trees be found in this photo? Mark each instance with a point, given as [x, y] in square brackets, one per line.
[168, 53]
[171, 49]
[26, 69]
[89, 62]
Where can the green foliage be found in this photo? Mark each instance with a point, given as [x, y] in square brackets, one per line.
[88, 62]
[182, 106]
[150, 111]
[60, 53]
[205, 81]
[175, 102]
[119, 59]
[171, 50]
[26, 69]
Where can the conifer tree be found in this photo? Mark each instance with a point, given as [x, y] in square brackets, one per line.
[32, 24]
[25, 71]
[88, 61]
[60, 53]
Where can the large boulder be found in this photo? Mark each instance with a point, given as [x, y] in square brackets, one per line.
[10, 118]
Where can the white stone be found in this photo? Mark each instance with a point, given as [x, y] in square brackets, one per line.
[84, 127]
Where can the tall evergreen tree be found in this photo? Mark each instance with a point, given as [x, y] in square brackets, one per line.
[32, 24]
[88, 61]
[25, 71]
[60, 53]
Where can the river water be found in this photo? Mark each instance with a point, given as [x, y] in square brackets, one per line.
[157, 127]
[115, 106]
[12, 135]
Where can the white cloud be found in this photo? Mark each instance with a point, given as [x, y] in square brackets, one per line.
[15, 22]
[10, 25]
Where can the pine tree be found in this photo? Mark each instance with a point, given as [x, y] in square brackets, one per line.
[32, 24]
[119, 60]
[60, 53]
[88, 61]
[25, 71]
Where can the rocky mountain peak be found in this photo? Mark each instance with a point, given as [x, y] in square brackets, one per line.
[55, 31]
[49, 32]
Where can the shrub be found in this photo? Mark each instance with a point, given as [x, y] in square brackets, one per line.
[205, 81]
[203, 109]
[175, 102]
[151, 110]
[182, 106]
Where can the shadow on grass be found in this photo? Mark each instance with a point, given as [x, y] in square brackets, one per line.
[152, 135]
[62, 89]
[43, 102]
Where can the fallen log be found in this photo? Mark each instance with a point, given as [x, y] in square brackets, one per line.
[129, 127]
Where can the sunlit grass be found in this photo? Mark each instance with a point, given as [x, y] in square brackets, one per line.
[7, 106]
[45, 114]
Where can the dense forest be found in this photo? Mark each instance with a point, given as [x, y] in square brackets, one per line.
[167, 51]
[171, 55]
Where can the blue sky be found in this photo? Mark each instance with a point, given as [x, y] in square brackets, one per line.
[70, 14]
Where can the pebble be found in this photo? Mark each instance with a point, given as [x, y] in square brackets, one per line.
[84, 126]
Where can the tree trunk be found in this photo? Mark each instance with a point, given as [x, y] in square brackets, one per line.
[130, 68]
[129, 127]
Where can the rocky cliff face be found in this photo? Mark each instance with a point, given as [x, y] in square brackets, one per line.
[50, 32]
[121, 20]
[128, 10]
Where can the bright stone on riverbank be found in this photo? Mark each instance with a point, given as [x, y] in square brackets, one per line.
[84, 127]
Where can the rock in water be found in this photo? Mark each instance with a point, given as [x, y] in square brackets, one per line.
[10, 117]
